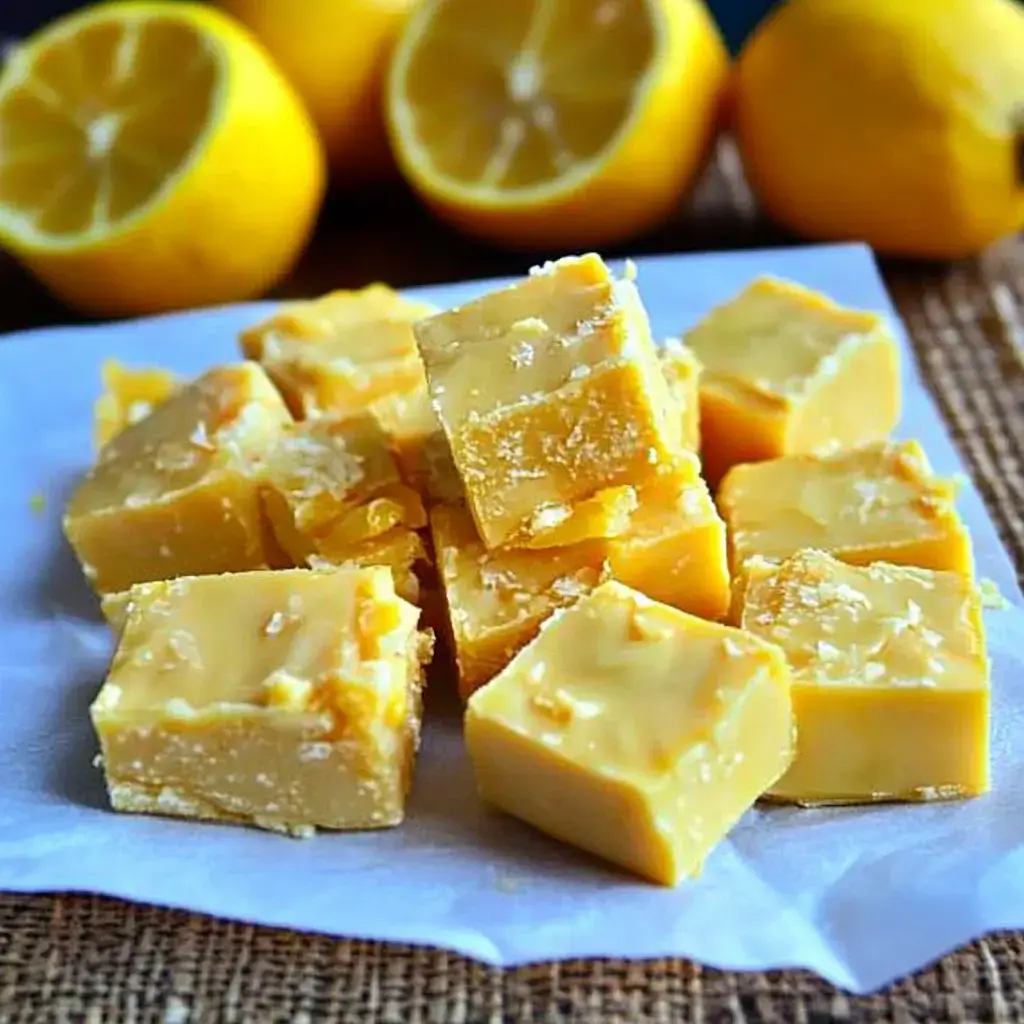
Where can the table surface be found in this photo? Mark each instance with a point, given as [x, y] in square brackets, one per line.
[82, 958]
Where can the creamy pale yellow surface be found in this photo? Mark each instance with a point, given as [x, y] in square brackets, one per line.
[548, 391]
[786, 370]
[177, 493]
[674, 548]
[288, 700]
[890, 678]
[878, 502]
[682, 370]
[129, 395]
[330, 485]
[634, 731]
[336, 354]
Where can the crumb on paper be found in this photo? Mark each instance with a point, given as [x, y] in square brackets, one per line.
[991, 595]
[37, 503]
[177, 1011]
[506, 882]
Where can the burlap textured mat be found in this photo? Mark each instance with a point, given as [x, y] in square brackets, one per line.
[87, 959]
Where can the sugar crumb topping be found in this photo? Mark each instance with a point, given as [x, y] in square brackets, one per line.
[827, 651]
[732, 648]
[991, 596]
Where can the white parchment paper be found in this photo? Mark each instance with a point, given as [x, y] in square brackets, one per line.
[859, 895]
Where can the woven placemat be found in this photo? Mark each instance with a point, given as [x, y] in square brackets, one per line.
[91, 959]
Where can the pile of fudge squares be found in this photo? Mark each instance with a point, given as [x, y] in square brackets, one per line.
[528, 479]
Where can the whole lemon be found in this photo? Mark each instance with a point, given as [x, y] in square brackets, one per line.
[896, 122]
[335, 53]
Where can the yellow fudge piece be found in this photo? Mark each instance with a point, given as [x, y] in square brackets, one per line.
[548, 391]
[418, 443]
[674, 549]
[786, 370]
[682, 374]
[336, 354]
[880, 502]
[400, 549]
[498, 599]
[890, 678]
[634, 731]
[177, 493]
[288, 700]
[329, 485]
[129, 395]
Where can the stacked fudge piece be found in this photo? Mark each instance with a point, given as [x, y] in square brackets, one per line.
[255, 544]
[845, 549]
[573, 461]
[640, 662]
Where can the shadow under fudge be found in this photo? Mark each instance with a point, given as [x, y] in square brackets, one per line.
[61, 588]
[71, 773]
[444, 800]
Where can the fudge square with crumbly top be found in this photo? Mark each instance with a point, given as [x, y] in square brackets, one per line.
[329, 485]
[285, 699]
[890, 678]
[337, 354]
[549, 391]
[177, 493]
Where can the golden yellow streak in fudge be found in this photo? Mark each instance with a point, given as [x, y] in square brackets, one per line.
[633, 731]
[605, 514]
[177, 493]
[288, 700]
[786, 370]
[129, 395]
[549, 391]
[890, 678]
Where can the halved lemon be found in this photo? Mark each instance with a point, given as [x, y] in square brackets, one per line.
[153, 158]
[555, 123]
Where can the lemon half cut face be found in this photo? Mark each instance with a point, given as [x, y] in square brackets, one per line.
[138, 145]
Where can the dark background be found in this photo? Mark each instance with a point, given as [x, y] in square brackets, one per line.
[19, 17]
